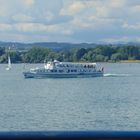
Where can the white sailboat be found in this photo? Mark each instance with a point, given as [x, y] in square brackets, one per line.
[9, 63]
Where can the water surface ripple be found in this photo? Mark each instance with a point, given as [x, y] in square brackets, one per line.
[103, 103]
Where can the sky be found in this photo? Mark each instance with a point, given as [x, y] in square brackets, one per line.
[74, 21]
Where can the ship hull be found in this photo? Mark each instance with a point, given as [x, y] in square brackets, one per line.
[48, 75]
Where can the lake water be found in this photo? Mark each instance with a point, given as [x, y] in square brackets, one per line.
[111, 102]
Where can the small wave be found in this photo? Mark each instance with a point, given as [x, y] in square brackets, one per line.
[115, 75]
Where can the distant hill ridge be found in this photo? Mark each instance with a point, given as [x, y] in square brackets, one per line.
[60, 45]
[52, 45]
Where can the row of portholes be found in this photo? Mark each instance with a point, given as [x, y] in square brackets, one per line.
[54, 70]
[77, 66]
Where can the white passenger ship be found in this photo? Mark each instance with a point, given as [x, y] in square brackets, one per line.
[56, 69]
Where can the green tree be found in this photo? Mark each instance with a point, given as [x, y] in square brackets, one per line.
[105, 50]
[116, 57]
[15, 57]
[3, 58]
[79, 53]
[2, 51]
[100, 58]
[37, 55]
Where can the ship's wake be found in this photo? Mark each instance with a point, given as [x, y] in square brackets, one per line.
[116, 75]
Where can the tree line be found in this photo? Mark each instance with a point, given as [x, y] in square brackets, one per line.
[101, 53]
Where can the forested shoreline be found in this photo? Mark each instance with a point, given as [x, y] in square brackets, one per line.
[101, 53]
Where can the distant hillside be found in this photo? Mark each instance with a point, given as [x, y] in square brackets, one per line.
[60, 46]
[52, 45]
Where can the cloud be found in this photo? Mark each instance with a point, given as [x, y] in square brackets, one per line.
[131, 26]
[123, 39]
[28, 2]
[72, 7]
[93, 14]
[5, 27]
[77, 20]
[36, 28]
[22, 18]
[22, 37]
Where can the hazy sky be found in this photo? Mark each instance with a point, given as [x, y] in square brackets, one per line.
[70, 20]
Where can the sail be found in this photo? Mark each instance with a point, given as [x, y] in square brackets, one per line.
[9, 63]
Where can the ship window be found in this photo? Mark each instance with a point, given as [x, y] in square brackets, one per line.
[53, 70]
[60, 70]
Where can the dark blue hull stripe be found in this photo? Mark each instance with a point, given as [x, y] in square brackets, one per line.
[41, 75]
